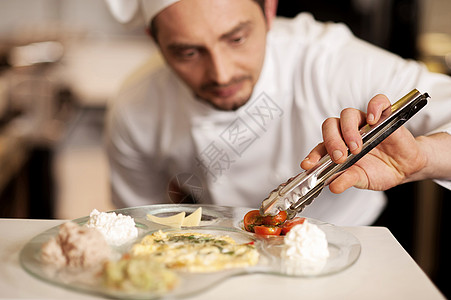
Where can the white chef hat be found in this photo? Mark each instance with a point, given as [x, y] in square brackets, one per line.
[151, 8]
[126, 11]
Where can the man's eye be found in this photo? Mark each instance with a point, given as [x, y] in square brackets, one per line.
[187, 54]
[238, 40]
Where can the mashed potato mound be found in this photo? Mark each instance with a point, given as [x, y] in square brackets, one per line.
[76, 246]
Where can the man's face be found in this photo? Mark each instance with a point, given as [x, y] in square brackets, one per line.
[216, 46]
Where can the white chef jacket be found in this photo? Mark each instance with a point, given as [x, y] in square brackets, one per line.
[157, 129]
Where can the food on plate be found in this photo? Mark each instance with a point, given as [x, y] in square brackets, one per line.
[251, 219]
[267, 230]
[288, 224]
[76, 246]
[174, 221]
[116, 228]
[195, 252]
[306, 241]
[276, 220]
[269, 225]
[179, 220]
[193, 219]
[138, 274]
[305, 249]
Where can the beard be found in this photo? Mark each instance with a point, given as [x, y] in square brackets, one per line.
[232, 104]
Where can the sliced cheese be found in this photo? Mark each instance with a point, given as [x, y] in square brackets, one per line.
[193, 219]
[171, 221]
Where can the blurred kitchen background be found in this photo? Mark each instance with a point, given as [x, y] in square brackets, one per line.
[61, 62]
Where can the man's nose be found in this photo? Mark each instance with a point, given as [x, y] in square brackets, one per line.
[220, 68]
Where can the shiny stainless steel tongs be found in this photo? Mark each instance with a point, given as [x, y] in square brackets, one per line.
[300, 190]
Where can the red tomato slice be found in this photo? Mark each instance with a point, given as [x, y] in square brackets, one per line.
[275, 220]
[251, 219]
[286, 227]
[267, 230]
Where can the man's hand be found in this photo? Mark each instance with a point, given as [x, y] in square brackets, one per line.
[392, 162]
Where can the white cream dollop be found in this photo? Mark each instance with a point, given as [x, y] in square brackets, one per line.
[116, 228]
[305, 250]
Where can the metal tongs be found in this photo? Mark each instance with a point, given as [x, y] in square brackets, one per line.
[299, 191]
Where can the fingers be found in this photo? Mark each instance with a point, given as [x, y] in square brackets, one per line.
[313, 157]
[333, 140]
[344, 182]
[350, 122]
[342, 134]
[339, 134]
[375, 108]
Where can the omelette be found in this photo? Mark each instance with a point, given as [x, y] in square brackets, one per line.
[195, 252]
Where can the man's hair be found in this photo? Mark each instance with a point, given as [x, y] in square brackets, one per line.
[153, 27]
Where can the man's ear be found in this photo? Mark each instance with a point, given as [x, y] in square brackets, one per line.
[270, 11]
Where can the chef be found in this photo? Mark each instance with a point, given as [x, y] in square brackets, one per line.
[236, 98]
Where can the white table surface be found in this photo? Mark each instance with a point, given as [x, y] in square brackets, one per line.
[384, 270]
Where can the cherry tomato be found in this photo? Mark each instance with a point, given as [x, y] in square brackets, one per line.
[275, 220]
[286, 227]
[251, 219]
[267, 230]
